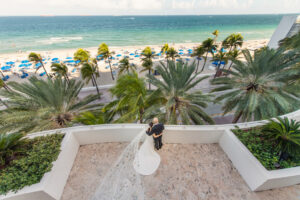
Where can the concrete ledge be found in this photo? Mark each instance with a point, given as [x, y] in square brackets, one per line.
[255, 175]
[253, 172]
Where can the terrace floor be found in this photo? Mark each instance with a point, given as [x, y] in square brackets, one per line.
[186, 172]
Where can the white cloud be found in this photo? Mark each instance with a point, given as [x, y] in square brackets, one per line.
[108, 7]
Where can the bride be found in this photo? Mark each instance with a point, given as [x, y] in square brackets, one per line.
[147, 160]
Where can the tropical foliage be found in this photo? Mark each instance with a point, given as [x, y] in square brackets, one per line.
[286, 135]
[29, 168]
[82, 55]
[126, 67]
[147, 61]
[89, 72]
[198, 53]
[106, 54]
[91, 118]
[60, 69]
[10, 147]
[132, 99]
[209, 46]
[175, 102]
[257, 89]
[37, 58]
[172, 54]
[263, 149]
[233, 41]
[42, 104]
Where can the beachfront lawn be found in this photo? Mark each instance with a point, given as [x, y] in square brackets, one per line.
[264, 150]
[30, 167]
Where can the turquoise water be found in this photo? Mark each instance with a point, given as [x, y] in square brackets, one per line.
[48, 33]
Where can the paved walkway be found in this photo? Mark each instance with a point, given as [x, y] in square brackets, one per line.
[187, 172]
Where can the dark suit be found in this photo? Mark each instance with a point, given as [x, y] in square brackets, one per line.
[157, 130]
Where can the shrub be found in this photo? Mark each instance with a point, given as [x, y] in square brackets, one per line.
[264, 149]
[10, 147]
[286, 135]
[31, 167]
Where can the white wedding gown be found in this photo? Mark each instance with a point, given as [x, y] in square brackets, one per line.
[147, 160]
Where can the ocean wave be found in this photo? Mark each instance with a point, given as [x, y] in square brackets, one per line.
[55, 40]
[132, 18]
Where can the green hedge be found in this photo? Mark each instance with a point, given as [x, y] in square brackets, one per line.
[31, 167]
[264, 149]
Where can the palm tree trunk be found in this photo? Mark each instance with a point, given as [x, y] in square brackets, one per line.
[141, 115]
[204, 61]
[197, 66]
[149, 82]
[230, 65]
[67, 78]
[2, 74]
[112, 76]
[44, 68]
[218, 69]
[94, 80]
[236, 119]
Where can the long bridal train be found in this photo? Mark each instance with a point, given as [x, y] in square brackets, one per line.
[123, 180]
[146, 161]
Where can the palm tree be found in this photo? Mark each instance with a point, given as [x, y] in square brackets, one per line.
[61, 69]
[3, 85]
[10, 147]
[131, 99]
[233, 55]
[220, 57]
[258, 88]
[175, 101]
[89, 73]
[37, 58]
[147, 62]
[42, 104]
[82, 55]
[172, 53]
[165, 48]
[233, 41]
[126, 66]
[91, 118]
[107, 54]
[198, 53]
[290, 42]
[216, 34]
[209, 46]
[286, 135]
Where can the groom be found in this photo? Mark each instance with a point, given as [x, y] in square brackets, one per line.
[157, 132]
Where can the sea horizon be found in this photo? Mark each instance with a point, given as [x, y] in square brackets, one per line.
[45, 33]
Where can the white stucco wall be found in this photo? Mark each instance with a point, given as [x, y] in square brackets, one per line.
[282, 30]
[255, 175]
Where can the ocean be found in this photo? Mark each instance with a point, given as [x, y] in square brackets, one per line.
[64, 32]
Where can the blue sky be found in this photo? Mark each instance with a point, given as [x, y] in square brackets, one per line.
[147, 7]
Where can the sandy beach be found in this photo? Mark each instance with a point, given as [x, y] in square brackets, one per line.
[15, 72]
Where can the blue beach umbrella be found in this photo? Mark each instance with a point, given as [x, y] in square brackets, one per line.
[159, 54]
[131, 54]
[223, 50]
[181, 53]
[214, 51]
[10, 63]
[55, 59]
[119, 55]
[5, 68]
[25, 61]
[137, 56]
[69, 58]
[180, 49]
[23, 65]
[215, 62]
[222, 62]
